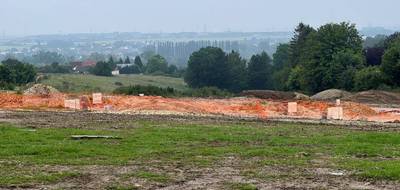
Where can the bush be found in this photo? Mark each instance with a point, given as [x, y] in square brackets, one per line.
[55, 68]
[147, 90]
[368, 78]
[130, 70]
[102, 69]
[207, 92]
[6, 86]
[171, 92]
[14, 72]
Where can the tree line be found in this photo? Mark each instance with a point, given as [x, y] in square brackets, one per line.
[156, 65]
[15, 73]
[331, 56]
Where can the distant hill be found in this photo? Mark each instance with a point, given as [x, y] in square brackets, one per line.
[78, 83]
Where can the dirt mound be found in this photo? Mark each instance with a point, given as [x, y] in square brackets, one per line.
[270, 94]
[41, 90]
[300, 96]
[330, 95]
[375, 97]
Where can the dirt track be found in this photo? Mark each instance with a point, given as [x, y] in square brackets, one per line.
[68, 119]
[232, 107]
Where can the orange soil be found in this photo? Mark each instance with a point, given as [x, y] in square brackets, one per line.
[240, 107]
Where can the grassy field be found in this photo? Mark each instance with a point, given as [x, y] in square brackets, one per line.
[154, 154]
[90, 83]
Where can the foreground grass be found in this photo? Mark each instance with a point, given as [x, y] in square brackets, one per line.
[372, 155]
[76, 83]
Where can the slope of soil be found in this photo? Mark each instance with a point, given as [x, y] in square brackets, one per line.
[330, 95]
[375, 97]
[274, 95]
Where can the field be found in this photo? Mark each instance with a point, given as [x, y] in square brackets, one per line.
[171, 152]
[75, 83]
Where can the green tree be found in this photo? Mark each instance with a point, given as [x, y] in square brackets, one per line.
[297, 46]
[14, 72]
[133, 69]
[260, 71]
[281, 66]
[238, 72]
[157, 64]
[368, 78]
[102, 68]
[139, 64]
[331, 51]
[127, 60]
[208, 67]
[391, 64]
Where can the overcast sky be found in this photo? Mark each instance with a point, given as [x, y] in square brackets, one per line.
[27, 17]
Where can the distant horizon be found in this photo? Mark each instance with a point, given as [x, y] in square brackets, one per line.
[394, 29]
[49, 17]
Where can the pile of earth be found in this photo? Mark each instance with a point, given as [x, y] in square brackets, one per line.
[275, 95]
[375, 97]
[331, 95]
[41, 90]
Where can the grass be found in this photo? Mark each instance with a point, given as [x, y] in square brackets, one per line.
[76, 83]
[241, 186]
[150, 176]
[371, 155]
[13, 175]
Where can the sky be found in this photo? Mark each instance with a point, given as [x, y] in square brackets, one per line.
[33, 17]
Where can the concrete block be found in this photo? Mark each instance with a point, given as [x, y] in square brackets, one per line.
[72, 104]
[97, 98]
[335, 113]
[292, 107]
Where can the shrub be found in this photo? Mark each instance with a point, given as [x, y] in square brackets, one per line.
[207, 92]
[368, 78]
[171, 92]
[147, 90]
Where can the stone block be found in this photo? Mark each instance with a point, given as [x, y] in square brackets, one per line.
[97, 98]
[292, 107]
[335, 113]
[72, 104]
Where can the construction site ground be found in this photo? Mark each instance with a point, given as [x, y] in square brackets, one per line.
[241, 107]
[191, 152]
[195, 143]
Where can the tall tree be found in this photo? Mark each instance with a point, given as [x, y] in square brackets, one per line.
[297, 46]
[102, 68]
[127, 60]
[238, 72]
[15, 72]
[157, 64]
[281, 66]
[333, 49]
[208, 67]
[138, 63]
[391, 63]
[259, 72]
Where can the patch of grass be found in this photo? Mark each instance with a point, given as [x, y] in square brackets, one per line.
[77, 83]
[150, 176]
[11, 175]
[119, 187]
[241, 186]
[373, 169]
[371, 154]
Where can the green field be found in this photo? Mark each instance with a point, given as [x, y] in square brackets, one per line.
[76, 83]
[157, 154]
